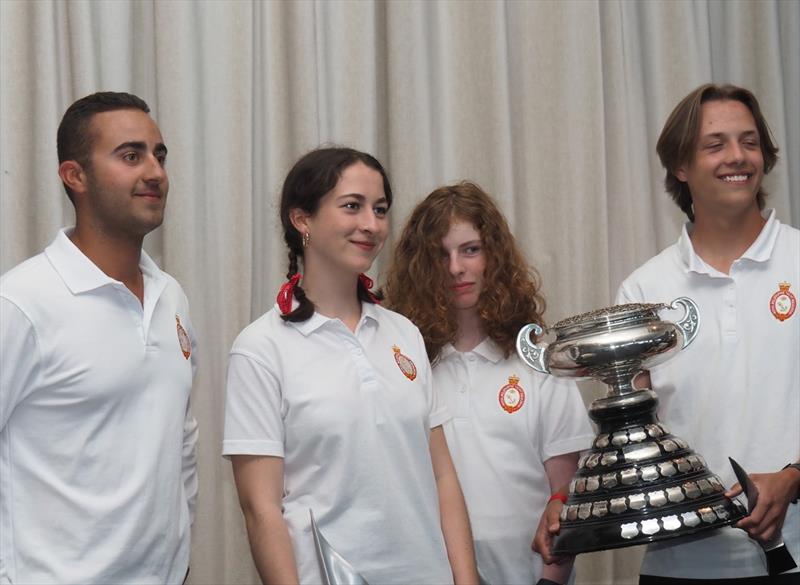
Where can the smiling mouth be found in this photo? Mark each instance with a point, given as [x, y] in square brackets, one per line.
[368, 246]
[740, 178]
[149, 195]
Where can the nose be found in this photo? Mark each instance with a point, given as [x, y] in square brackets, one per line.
[369, 221]
[155, 171]
[454, 264]
[735, 153]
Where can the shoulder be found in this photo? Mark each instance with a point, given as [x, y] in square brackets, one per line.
[174, 289]
[26, 280]
[656, 265]
[650, 274]
[789, 234]
[399, 324]
[266, 332]
[384, 315]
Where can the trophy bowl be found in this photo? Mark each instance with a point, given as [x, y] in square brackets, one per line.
[638, 483]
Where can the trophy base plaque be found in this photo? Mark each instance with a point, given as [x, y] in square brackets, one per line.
[639, 483]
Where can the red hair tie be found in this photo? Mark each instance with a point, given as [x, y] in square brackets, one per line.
[286, 294]
[367, 282]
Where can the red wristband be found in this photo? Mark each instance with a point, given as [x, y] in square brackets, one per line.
[558, 496]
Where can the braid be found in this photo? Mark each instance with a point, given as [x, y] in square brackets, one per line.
[305, 309]
[292, 264]
[364, 295]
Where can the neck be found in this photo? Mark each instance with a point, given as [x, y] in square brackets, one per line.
[719, 238]
[116, 256]
[333, 295]
[470, 330]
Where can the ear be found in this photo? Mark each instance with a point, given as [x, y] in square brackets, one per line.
[299, 219]
[73, 175]
[680, 173]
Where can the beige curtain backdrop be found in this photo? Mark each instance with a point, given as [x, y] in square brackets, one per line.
[552, 106]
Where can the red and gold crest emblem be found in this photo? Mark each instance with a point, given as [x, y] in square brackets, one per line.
[183, 339]
[512, 396]
[404, 363]
[783, 302]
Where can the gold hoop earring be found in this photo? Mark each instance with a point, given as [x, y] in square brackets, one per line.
[306, 239]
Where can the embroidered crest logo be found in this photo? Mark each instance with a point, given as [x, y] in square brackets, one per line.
[404, 363]
[183, 339]
[512, 396]
[783, 302]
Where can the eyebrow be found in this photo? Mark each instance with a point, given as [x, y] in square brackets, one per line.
[361, 197]
[160, 148]
[718, 135]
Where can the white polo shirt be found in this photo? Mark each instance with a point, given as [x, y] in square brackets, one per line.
[351, 416]
[736, 390]
[507, 421]
[97, 443]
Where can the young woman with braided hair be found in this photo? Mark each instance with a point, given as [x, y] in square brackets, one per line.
[515, 434]
[329, 402]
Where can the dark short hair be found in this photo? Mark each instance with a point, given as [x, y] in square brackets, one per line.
[74, 139]
[678, 139]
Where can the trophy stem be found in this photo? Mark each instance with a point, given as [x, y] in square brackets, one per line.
[617, 411]
[619, 378]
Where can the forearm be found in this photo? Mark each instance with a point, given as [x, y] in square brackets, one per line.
[452, 512]
[558, 572]
[793, 473]
[271, 547]
[259, 481]
[456, 530]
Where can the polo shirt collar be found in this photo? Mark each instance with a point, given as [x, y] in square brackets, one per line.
[81, 274]
[369, 312]
[487, 349]
[759, 251]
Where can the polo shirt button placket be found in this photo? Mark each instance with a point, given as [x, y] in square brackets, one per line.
[369, 383]
[729, 309]
[135, 308]
[463, 398]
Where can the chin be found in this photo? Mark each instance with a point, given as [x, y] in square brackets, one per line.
[145, 227]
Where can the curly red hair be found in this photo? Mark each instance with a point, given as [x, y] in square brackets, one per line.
[417, 281]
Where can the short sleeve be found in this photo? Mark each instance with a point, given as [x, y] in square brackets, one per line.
[20, 358]
[253, 417]
[564, 421]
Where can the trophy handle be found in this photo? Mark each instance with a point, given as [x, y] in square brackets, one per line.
[531, 354]
[690, 322]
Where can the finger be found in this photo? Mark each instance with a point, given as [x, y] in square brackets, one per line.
[542, 546]
[735, 490]
[762, 523]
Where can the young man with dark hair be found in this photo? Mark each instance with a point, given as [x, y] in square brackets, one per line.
[97, 441]
[736, 391]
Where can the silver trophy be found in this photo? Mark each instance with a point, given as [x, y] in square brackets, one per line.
[637, 483]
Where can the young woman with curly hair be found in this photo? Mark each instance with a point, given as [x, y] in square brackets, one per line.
[330, 406]
[459, 275]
